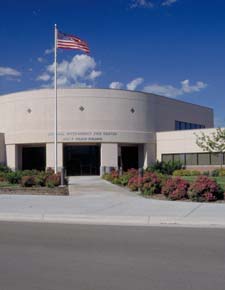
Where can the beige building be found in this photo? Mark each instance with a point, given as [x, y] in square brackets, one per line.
[97, 128]
[181, 145]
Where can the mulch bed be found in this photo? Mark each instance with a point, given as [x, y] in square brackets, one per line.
[35, 190]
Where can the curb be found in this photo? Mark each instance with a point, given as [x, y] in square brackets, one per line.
[143, 221]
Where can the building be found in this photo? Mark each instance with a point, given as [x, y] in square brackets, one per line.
[97, 129]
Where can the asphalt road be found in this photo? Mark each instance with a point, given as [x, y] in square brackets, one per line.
[81, 257]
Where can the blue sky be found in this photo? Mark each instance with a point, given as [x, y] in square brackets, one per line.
[170, 47]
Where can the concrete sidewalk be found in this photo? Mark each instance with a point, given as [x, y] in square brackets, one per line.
[95, 201]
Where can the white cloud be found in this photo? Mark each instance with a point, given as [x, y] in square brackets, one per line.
[79, 72]
[94, 74]
[8, 71]
[141, 3]
[49, 51]
[168, 2]
[187, 88]
[44, 77]
[171, 91]
[134, 84]
[116, 85]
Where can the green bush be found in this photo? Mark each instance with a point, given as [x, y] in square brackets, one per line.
[206, 173]
[124, 179]
[3, 176]
[218, 172]
[4, 168]
[32, 172]
[165, 167]
[185, 172]
[14, 177]
[40, 178]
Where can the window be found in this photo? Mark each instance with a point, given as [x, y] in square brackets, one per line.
[167, 157]
[195, 158]
[179, 125]
[182, 126]
[215, 158]
[191, 159]
[179, 157]
[204, 159]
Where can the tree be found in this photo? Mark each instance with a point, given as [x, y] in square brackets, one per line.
[214, 142]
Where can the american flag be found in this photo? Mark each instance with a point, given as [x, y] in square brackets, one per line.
[69, 41]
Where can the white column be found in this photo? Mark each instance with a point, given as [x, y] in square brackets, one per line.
[50, 155]
[109, 156]
[149, 154]
[12, 156]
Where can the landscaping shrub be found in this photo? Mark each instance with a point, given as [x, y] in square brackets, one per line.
[134, 183]
[32, 172]
[53, 180]
[165, 167]
[150, 184]
[132, 172]
[126, 176]
[3, 176]
[124, 179]
[112, 177]
[14, 177]
[40, 178]
[206, 173]
[28, 181]
[4, 168]
[205, 189]
[176, 188]
[218, 172]
[107, 176]
[186, 172]
[50, 171]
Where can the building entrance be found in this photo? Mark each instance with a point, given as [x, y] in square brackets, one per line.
[129, 157]
[33, 158]
[82, 160]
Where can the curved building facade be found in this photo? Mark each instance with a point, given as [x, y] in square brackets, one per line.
[97, 128]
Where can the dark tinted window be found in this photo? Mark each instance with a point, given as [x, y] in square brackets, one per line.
[191, 159]
[167, 157]
[204, 159]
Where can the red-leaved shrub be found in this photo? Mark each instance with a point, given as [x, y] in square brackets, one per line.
[205, 189]
[151, 184]
[134, 183]
[175, 188]
[53, 180]
[28, 181]
[132, 172]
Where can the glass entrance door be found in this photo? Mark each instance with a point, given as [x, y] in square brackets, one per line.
[82, 159]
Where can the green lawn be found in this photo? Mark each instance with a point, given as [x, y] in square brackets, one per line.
[220, 180]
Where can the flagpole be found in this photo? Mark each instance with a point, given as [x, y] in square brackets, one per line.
[56, 117]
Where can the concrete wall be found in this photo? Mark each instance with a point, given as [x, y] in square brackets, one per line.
[168, 110]
[93, 115]
[103, 116]
[179, 141]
